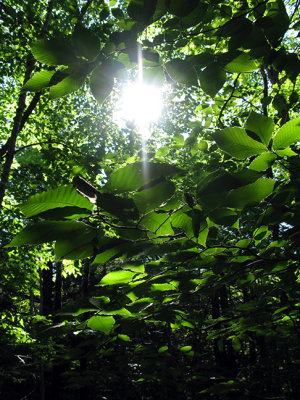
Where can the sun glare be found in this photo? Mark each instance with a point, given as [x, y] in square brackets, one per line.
[140, 104]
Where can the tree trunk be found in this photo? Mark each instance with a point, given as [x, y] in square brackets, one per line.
[46, 306]
[58, 286]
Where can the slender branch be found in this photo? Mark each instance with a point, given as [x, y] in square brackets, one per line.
[84, 10]
[227, 101]
[265, 90]
[47, 142]
[246, 101]
[21, 117]
[47, 19]
[297, 5]
[29, 110]
[11, 143]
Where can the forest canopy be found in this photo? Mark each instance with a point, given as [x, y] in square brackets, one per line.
[152, 252]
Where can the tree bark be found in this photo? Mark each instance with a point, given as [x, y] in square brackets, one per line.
[46, 306]
[22, 115]
[58, 286]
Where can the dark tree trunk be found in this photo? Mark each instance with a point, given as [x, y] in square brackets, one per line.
[46, 306]
[85, 278]
[58, 286]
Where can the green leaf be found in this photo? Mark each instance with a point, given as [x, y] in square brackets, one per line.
[288, 134]
[162, 287]
[123, 337]
[275, 23]
[57, 51]
[197, 15]
[101, 323]
[212, 79]
[148, 199]
[102, 81]
[49, 231]
[224, 216]
[162, 349]
[181, 8]
[123, 208]
[79, 245]
[64, 196]
[261, 125]
[160, 10]
[117, 278]
[250, 194]
[184, 219]
[261, 233]
[158, 223]
[186, 349]
[242, 63]
[162, 151]
[134, 176]
[182, 72]
[64, 213]
[39, 81]
[86, 43]
[142, 10]
[67, 85]
[107, 254]
[237, 143]
[263, 161]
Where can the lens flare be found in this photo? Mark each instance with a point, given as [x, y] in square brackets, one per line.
[142, 105]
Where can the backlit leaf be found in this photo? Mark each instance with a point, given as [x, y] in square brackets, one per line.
[57, 51]
[67, 85]
[242, 63]
[288, 134]
[101, 323]
[134, 176]
[212, 79]
[63, 196]
[182, 72]
[85, 42]
[261, 125]
[148, 199]
[49, 231]
[102, 81]
[263, 161]
[237, 143]
[250, 194]
[39, 81]
[117, 277]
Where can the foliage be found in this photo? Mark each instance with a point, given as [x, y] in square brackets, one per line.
[175, 267]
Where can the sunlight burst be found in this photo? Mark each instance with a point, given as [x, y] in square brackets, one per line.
[142, 105]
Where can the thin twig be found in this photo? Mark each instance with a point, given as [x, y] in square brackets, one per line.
[227, 101]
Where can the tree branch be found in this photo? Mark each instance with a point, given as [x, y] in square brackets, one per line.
[21, 117]
[265, 90]
[84, 10]
[227, 101]
[47, 142]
